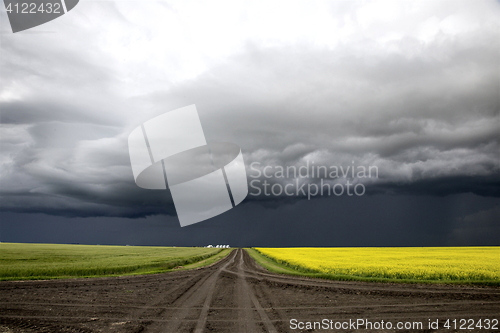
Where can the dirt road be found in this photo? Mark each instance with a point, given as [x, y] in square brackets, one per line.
[236, 295]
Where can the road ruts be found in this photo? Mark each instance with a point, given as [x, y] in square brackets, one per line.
[232, 295]
[248, 302]
[196, 299]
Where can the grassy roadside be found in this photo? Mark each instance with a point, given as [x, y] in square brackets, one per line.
[273, 266]
[59, 261]
[207, 262]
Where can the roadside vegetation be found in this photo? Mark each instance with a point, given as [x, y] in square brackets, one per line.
[55, 261]
[450, 265]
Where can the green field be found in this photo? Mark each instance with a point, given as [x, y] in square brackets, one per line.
[452, 265]
[52, 261]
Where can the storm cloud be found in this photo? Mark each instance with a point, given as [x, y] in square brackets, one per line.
[409, 87]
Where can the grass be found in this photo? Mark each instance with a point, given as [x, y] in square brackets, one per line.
[55, 261]
[450, 265]
[207, 262]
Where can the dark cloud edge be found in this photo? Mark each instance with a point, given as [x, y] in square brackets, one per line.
[483, 186]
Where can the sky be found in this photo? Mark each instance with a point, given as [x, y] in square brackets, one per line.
[410, 88]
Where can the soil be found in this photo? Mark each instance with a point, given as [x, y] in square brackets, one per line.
[237, 295]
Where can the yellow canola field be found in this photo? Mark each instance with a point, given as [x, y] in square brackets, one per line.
[422, 263]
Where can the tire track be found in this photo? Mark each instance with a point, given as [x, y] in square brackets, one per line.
[201, 292]
[247, 261]
[249, 294]
[160, 297]
[245, 311]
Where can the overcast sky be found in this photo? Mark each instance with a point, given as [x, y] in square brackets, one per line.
[411, 87]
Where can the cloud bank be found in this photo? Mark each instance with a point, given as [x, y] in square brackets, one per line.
[409, 87]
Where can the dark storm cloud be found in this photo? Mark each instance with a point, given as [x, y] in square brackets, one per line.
[425, 112]
[343, 221]
[429, 131]
[481, 228]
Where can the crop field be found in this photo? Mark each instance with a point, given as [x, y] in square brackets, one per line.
[476, 265]
[45, 261]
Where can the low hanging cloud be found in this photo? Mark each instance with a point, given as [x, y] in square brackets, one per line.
[409, 88]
